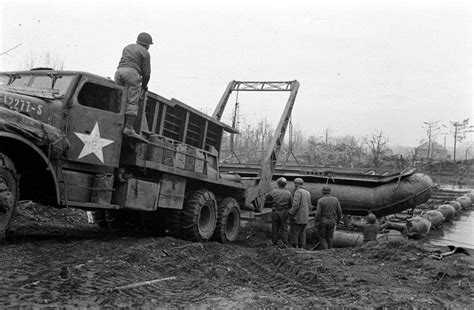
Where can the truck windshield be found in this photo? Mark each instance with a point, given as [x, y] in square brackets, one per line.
[4, 79]
[56, 82]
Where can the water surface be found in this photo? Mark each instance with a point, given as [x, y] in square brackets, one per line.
[459, 232]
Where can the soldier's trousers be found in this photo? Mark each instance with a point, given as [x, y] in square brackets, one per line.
[298, 235]
[280, 226]
[326, 234]
[130, 78]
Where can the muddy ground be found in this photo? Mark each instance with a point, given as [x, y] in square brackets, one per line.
[54, 258]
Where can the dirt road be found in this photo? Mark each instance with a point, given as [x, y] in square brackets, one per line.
[54, 258]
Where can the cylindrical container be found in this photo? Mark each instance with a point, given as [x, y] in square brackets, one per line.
[448, 211]
[345, 240]
[465, 201]
[470, 194]
[421, 226]
[456, 204]
[391, 236]
[435, 217]
[423, 206]
[102, 188]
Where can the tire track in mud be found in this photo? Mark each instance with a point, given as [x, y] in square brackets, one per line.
[196, 275]
[275, 271]
[295, 275]
[216, 270]
[98, 265]
[186, 264]
[285, 272]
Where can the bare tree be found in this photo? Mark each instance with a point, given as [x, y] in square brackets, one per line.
[312, 150]
[46, 60]
[327, 133]
[377, 144]
[351, 148]
[250, 145]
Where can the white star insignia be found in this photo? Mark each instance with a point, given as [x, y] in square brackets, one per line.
[93, 143]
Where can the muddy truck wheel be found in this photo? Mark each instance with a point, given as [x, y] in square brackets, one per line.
[199, 216]
[8, 193]
[228, 221]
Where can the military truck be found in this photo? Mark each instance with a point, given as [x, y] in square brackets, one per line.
[61, 145]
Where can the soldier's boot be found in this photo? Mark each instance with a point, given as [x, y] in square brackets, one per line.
[129, 131]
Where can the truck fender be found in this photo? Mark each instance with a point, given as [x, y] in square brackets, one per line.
[25, 145]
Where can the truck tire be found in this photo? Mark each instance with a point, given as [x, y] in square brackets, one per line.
[9, 192]
[199, 216]
[228, 221]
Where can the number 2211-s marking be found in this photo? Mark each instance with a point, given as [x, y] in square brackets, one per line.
[21, 105]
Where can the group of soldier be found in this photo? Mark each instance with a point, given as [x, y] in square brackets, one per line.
[295, 209]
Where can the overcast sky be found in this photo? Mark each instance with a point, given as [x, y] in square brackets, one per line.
[363, 65]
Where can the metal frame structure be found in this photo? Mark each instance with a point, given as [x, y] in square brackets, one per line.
[255, 195]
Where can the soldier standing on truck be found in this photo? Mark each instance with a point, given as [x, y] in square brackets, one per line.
[280, 201]
[299, 214]
[134, 72]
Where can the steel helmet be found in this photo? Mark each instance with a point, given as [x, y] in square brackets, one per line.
[326, 190]
[281, 181]
[144, 38]
[298, 181]
[371, 218]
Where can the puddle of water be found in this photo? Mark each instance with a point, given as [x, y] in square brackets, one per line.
[459, 232]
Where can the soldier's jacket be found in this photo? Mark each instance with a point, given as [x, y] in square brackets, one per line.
[328, 210]
[279, 199]
[301, 206]
[137, 57]
[369, 231]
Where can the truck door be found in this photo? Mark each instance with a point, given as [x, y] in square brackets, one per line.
[95, 122]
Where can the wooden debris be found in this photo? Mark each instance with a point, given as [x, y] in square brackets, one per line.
[29, 284]
[133, 285]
